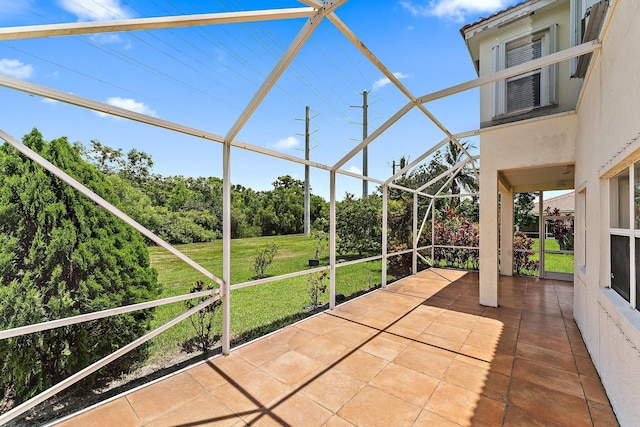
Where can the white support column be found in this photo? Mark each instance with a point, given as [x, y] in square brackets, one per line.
[385, 225]
[332, 240]
[506, 233]
[226, 248]
[414, 257]
[489, 238]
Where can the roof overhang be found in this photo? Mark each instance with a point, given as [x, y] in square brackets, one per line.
[474, 32]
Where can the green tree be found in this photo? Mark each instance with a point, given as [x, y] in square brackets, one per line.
[464, 179]
[61, 256]
[522, 205]
[359, 224]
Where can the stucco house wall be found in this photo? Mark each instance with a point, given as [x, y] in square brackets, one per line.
[536, 142]
[608, 140]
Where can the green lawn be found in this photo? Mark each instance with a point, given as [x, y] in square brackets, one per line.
[255, 310]
[562, 263]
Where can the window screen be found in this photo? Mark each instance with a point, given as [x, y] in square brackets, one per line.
[523, 92]
[521, 53]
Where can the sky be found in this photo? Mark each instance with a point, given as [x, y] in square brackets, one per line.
[204, 77]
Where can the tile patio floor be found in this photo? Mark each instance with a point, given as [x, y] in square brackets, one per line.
[421, 352]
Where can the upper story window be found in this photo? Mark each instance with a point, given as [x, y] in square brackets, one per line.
[530, 90]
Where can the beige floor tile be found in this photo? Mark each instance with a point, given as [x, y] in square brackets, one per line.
[337, 421]
[293, 410]
[430, 356]
[429, 361]
[324, 350]
[373, 407]
[204, 411]
[216, 372]
[361, 365]
[164, 396]
[453, 403]
[383, 347]
[429, 419]
[262, 350]
[117, 413]
[406, 384]
[250, 392]
[293, 368]
[332, 389]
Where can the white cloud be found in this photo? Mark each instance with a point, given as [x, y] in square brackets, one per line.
[355, 169]
[287, 143]
[380, 83]
[96, 10]
[15, 68]
[131, 105]
[113, 39]
[50, 101]
[9, 7]
[454, 9]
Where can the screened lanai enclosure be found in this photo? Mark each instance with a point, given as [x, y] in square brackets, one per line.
[243, 77]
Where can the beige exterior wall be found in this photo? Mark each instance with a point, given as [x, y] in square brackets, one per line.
[608, 139]
[601, 137]
[545, 141]
[568, 89]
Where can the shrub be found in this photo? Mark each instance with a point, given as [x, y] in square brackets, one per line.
[263, 258]
[316, 286]
[202, 321]
[522, 251]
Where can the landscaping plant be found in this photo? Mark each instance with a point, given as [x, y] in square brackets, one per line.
[263, 258]
[202, 321]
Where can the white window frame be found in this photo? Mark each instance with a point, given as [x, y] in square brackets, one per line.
[632, 232]
[548, 79]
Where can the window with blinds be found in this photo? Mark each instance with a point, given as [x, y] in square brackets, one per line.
[530, 90]
[523, 91]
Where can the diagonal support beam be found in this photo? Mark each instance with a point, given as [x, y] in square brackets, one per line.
[68, 98]
[52, 30]
[103, 203]
[386, 125]
[295, 46]
[427, 154]
[350, 35]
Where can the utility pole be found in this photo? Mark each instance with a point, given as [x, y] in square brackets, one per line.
[307, 185]
[365, 154]
[307, 195]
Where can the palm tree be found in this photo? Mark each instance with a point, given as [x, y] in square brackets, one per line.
[465, 178]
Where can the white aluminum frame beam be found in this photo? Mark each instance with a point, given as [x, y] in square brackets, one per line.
[69, 381]
[386, 125]
[286, 58]
[350, 35]
[102, 202]
[544, 61]
[79, 101]
[428, 153]
[79, 28]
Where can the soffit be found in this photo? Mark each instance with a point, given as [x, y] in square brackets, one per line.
[557, 177]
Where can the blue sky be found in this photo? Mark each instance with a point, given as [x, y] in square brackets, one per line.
[204, 77]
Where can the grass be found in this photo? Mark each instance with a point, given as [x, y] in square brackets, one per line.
[554, 262]
[255, 310]
[560, 263]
